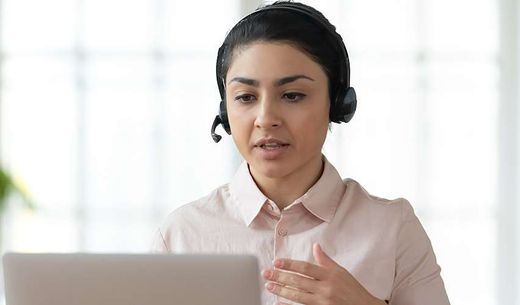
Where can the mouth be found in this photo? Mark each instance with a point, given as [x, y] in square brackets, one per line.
[272, 146]
[269, 148]
[270, 143]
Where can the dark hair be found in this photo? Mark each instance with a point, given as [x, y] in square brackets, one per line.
[294, 28]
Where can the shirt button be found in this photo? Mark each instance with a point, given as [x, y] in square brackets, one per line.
[282, 232]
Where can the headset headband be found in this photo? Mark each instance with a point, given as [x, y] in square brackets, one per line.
[344, 66]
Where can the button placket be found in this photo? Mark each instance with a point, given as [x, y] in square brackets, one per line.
[281, 227]
[280, 236]
[282, 232]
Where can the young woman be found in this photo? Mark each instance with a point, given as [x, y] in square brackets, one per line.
[283, 75]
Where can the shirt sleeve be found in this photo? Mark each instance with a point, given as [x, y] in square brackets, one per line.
[158, 243]
[417, 279]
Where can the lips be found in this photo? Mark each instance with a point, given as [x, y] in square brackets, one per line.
[270, 143]
[271, 149]
[272, 146]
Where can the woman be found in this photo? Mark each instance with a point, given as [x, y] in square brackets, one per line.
[283, 75]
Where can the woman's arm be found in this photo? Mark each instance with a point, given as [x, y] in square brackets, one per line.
[417, 279]
[158, 243]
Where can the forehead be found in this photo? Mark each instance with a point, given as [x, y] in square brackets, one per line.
[272, 60]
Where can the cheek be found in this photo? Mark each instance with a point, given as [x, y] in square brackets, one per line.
[240, 129]
[316, 133]
[237, 121]
[310, 130]
[312, 126]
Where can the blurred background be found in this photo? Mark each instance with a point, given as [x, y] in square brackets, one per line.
[106, 108]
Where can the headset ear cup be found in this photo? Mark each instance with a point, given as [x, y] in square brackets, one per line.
[224, 117]
[344, 106]
[349, 104]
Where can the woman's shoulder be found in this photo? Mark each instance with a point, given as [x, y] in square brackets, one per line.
[192, 219]
[357, 195]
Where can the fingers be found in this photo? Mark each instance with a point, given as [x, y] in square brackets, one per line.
[290, 279]
[301, 267]
[297, 296]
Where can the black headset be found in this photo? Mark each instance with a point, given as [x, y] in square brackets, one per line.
[343, 104]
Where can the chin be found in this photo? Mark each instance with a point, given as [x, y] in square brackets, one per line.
[271, 169]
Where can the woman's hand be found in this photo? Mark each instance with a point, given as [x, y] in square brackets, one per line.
[324, 284]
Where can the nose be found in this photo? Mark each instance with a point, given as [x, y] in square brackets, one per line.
[268, 115]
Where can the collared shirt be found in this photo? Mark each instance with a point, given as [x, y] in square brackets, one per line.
[380, 242]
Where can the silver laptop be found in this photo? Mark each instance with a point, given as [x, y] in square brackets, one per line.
[131, 279]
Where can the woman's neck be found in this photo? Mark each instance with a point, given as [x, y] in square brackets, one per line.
[285, 190]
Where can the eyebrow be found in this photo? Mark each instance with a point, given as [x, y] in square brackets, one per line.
[280, 82]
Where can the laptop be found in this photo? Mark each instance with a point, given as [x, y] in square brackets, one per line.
[131, 279]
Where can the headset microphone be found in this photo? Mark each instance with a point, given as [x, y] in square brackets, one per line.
[221, 118]
[214, 135]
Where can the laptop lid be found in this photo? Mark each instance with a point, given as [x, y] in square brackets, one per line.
[130, 279]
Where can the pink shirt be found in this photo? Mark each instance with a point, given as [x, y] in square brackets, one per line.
[380, 242]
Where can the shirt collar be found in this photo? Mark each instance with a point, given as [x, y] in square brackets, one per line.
[246, 194]
[321, 199]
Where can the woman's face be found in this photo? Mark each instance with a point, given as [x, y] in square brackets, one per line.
[278, 108]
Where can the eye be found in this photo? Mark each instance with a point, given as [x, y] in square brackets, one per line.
[293, 96]
[245, 98]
